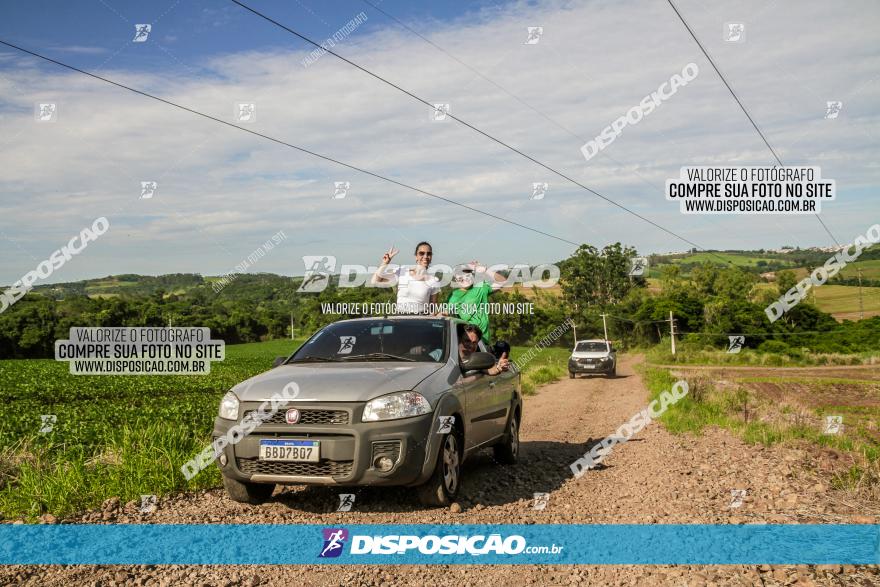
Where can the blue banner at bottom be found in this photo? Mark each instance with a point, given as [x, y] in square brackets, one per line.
[612, 544]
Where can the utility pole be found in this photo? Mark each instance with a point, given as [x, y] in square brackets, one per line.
[861, 302]
[672, 331]
[291, 326]
[604, 326]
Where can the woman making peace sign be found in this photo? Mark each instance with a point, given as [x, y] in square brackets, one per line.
[416, 289]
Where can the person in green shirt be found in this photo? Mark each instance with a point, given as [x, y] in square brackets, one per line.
[470, 301]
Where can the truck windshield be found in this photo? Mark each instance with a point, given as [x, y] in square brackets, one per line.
[381, 339]
[591, 347]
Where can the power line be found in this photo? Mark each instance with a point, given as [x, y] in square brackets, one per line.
[286, 144]
[465, 123]
[742, 107]
[478, 73]
[484, 77]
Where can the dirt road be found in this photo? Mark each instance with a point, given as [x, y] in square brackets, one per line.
[654, 478]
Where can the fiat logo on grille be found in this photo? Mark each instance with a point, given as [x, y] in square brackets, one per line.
[292, 416]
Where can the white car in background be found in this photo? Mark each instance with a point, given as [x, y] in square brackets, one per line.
[593, 356]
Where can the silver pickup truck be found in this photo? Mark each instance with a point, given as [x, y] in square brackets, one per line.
[380, 401]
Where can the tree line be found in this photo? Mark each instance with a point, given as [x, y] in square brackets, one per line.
[708, 302]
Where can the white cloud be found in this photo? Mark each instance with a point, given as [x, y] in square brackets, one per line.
[222, 190]
[79, 49]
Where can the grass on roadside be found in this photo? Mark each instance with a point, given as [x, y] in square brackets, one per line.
[741, 412]
[548, 365]
[662, 355]
[62, 480]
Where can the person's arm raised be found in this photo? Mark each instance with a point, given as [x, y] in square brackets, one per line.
[497, 279]
[379, 275]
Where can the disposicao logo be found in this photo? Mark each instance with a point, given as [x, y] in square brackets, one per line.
[404, 544]
[334, 541]
[470, 545]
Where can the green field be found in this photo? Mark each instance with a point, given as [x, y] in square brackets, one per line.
[844, 300]
[738, 259]
[113, 435]
[870, 269]
[127, 436]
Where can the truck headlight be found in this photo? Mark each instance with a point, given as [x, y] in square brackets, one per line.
[229, 406]
[403, 404]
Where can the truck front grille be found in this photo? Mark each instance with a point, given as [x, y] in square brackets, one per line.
[324, 468]
[307, 416]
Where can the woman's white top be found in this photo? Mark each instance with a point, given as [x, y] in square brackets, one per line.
[414, 291]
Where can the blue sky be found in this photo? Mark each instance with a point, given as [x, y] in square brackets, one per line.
[87, 32]
[222, 192]
[202, 27]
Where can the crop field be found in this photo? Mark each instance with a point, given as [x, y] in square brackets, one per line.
[870, 269]
[533, 293]
[128, 436]
[841, 301]
[771, 406]
[88, 405]
[740, 260]
[111, 435]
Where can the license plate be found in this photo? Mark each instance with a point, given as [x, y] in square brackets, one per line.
[290, 450]
[590, 366]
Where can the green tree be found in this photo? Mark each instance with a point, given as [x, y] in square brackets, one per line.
[703, 277]
[592, 279]
[785, 280]
[733, 283]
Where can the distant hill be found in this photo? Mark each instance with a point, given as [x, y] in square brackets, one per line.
[840, 297]
[128, 284]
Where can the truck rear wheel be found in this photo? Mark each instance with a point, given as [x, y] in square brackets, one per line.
[508, 451]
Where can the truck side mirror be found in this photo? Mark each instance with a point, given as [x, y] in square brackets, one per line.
[478, 362]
